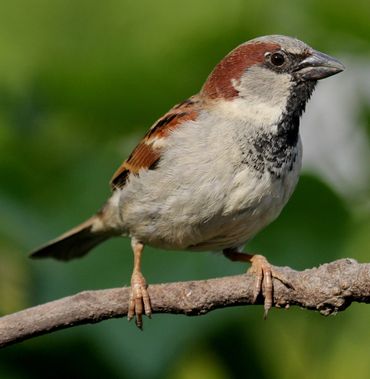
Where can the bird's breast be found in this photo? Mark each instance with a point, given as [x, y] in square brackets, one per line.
[205, 194]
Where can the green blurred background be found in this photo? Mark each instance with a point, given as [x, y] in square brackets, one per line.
[80, 82]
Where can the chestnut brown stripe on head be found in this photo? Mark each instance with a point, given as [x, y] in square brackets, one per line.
[220, 83]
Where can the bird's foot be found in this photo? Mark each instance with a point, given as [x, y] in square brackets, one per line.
[264, 274]
[139, 301]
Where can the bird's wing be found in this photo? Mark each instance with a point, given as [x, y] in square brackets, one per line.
[147, 153]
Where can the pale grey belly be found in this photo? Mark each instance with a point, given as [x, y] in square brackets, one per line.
[242, 224]
[205, 201]
[214, 218]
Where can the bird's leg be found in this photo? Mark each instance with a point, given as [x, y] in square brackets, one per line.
[264, 273]
[139, 297]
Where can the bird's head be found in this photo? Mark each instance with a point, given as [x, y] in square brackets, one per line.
[270, 71]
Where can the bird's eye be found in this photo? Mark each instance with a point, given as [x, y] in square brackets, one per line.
[277, 59]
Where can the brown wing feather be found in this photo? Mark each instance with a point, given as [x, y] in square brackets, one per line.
[147, 153]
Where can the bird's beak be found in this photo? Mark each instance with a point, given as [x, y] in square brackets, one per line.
[318, 66]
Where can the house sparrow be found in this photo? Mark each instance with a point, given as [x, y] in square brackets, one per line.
[215, 169]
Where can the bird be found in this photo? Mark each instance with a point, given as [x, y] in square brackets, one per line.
[215, 169]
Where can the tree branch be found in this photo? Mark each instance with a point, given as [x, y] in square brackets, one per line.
[329, 288]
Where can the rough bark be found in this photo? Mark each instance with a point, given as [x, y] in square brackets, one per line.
[328, 289]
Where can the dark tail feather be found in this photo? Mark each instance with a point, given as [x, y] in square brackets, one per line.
[74, 243]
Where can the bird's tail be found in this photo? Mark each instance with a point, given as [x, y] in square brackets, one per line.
[76, 242]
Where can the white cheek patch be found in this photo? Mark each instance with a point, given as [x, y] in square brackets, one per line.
[263, 96]
[262, 85]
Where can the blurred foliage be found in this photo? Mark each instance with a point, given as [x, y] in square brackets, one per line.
[80, 82]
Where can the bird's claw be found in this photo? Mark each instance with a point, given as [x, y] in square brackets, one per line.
[139, 301]
[264, 274]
